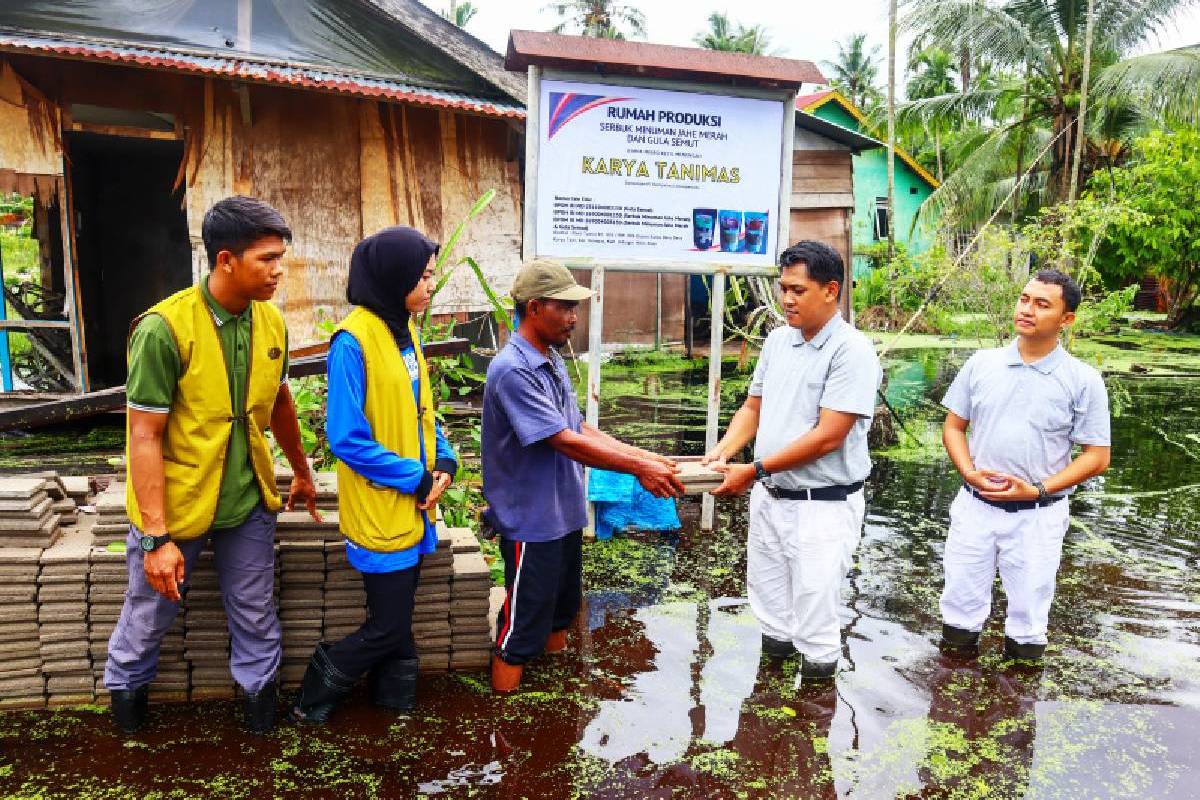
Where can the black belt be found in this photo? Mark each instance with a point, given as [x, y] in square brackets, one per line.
[820, 493]
[1013, 506]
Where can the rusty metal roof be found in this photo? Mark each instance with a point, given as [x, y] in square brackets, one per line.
[239, 66]
[620, 57]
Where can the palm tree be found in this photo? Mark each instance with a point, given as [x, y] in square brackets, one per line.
[1043, 40]
[460, 13]
[933, 76]
[855, 71]
[601, 19]
[724, 35]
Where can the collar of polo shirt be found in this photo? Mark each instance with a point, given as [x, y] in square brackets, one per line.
[1044, 365]
[822, 336]
[533, 357]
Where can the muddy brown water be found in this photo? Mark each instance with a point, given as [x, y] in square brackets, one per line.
[664, 694]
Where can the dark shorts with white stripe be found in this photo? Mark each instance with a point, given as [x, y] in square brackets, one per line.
[543, 584]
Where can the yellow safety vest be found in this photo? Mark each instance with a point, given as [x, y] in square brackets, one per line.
[377, 517]
[201, 418]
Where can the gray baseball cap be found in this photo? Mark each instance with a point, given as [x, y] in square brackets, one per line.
[544, 279]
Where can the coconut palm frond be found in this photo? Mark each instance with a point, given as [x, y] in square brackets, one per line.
[973, 104]
[987, 30]
[1125, 24]
[1164, 84]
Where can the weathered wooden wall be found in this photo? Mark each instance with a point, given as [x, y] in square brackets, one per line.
[337, 167]
[823, 199]
[629, 309]
[30, 146]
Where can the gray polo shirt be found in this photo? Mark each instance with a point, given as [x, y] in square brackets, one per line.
[1025, 417]
[837, 370]
[535, 493]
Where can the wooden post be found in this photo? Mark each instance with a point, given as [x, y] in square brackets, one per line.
[712, 425]
[595, 350]
[532, 142]
[70, 282]
[658, 311]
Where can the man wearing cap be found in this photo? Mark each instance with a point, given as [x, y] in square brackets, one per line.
[534, 446]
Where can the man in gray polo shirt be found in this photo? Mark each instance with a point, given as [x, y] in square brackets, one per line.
[1026, 405]
[809, 409]
[534, 445]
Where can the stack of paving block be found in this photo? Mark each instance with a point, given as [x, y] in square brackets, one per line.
[206, 632]
[107, 579]
[345, 597]
[326, 483]
[62, 619]
[79, 488]
[431, 613]
[112, 523]
[22, 684]
[470, 591]
[27, 518]
[62, 503]
[301, 603]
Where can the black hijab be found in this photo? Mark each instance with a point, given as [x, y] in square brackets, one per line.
[384, 268]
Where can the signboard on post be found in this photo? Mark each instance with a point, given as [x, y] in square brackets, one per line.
[629, 173]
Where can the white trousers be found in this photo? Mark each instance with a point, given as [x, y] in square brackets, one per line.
[797, 553]
[1027, 546]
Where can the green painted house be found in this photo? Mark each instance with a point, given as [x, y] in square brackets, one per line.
[913, 183]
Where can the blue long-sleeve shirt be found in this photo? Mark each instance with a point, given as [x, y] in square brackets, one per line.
[351, 440]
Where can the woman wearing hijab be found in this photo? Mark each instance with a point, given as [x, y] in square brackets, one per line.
[393, 465]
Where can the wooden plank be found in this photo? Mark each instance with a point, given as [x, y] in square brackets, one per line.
[787, 171]
[71, 282]
[30, 324]
[802, 184]
[533, 139]
[712, 423]
[825, 200]
[836, 157]
[105, 400]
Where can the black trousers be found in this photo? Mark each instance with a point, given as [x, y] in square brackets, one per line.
[543, 584]
[387, 633]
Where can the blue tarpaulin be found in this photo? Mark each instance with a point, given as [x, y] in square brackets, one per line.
[621, 503]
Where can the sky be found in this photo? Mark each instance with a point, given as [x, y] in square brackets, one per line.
[804, 29]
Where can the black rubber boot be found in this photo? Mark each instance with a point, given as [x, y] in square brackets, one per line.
[259, 710]
[129, 708]
[322, 689]
[777, 648]
[1024, 652]
[818, 670]
[394, 684]
[959, 641]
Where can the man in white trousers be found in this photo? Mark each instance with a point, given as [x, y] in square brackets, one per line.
[809, 409]
[1025, 406]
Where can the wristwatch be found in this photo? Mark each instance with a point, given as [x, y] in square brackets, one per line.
[1042, 493]
[760, 472]
[151, 543]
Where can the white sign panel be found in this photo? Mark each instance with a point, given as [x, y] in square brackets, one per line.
[627, 173]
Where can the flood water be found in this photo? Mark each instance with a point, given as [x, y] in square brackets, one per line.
[664, 693]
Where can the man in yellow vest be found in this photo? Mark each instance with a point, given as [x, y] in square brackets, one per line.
[207, 378]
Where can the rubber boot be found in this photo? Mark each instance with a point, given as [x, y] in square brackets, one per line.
[557, 642]
[394, 684]
[777, 648]
[129, 707]
[1025, 652]
[324, 686]
[506, 677]
[959, 641]
[259, 710]
[818, 670]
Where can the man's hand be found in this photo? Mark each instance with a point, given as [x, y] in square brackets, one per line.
[441, 482]
[986, 480]
[305, 490]
[714, 457]
[738, 478]
[164, 569]
[1017, 489]
[659, 479]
